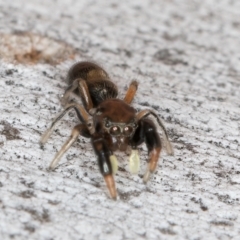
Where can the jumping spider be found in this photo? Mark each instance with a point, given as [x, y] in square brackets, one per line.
[111, 123]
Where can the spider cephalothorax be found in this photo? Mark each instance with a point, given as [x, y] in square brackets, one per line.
[111, 123]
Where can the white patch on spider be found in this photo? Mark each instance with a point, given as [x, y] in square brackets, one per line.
[134, 162]
[105, 167]
[114, 163]
[104, 91]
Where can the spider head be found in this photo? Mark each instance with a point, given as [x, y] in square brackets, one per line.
[117, 119]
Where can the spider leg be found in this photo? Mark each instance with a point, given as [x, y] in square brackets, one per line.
[104, 161]
[131, 92]
[147, 132]
[77, 130]
[81, 113]
[69, 91]
[145, 113]
[82, 87]
[84, 91]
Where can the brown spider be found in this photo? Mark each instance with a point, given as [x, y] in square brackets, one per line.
[111, 123]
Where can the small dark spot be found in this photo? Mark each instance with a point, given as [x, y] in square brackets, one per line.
[236, 24]
[233, 182]
[53, 202]
[169, 37]
[123, 195]
[128, 53]
[124, 66]
[10, 71]
[45, 216]
[47, 75]
[29, 228]
[167, 231]
[190, 147]
[169, 57]
[121, 169]
[220, 99]
[223, 85]
[1, 185]
[27, 184]
[108, 50]
[203, 207]
[144, 104]
[223, 223]
[220, 174]
[46, 190]
[226, 199]
[169, 119]
[9, 132]
[190, 211]
[126, 195]
[39, 216]
[26, 194]
[9, 82]
[97, 184]
[155, 107]
[194, 200]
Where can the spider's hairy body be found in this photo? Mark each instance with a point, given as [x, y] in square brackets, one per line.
[111, 123]
[99, 85]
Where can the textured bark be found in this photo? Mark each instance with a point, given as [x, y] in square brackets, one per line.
[185, 56]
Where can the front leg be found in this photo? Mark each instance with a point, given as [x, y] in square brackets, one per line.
[146, 132]
[104, 161]
[131, 92]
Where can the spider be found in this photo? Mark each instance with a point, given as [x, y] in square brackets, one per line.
[111, 123]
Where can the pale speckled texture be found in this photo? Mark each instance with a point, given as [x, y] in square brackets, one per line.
[186, 56]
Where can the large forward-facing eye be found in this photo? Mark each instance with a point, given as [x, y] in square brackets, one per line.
[127, 130]
[115, 130]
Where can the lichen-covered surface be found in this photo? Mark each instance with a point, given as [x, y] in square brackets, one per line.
[186, 56]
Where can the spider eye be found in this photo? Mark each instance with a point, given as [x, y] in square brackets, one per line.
[128, 130]
[107, 124]
[115, 130]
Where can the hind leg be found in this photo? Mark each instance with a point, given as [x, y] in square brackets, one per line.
[81, 113]
[68, 93]
[81, 85]
[80, 129]
[131, 92]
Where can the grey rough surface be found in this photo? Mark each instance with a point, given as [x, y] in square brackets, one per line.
[186, 57]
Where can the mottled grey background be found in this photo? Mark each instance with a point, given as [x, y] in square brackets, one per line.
[185, 55]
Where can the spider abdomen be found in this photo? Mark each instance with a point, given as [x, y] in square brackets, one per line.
[98, 82]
